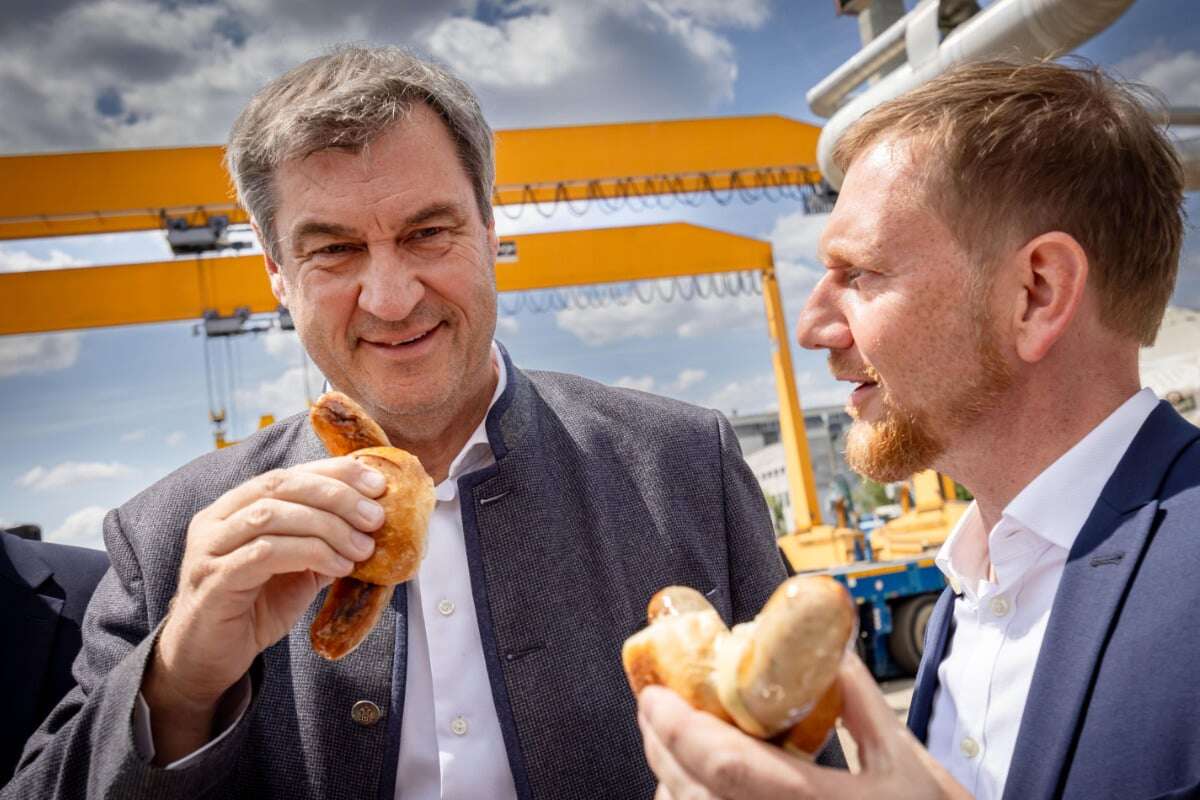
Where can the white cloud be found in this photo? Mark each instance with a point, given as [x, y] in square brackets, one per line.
[1175, 73]
[24, 261]
[686, 379]
[758, 393]
[748, 396]
[636, 320]
[643, 383]
[690, 377]
[687, 319]
[509, 326]
[794, 236]
[70, 474]
[281, 397]
[741, 14]
[284, 345]
[574, 61]
[135, 73]
[174, 438]
[529, 51]
[83, 528]
[134, 436]
[130, 73]
[38, 353]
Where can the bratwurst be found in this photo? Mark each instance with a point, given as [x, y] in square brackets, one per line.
[355, 603]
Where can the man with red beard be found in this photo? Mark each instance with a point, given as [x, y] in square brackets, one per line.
[1005, 240]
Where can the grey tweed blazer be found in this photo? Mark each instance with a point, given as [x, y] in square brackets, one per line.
[598, 498]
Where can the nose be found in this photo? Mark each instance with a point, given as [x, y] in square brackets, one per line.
[822, 324]
[390, 288]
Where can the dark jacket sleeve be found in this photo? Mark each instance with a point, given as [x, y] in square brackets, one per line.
[85, 748]
[755, 564]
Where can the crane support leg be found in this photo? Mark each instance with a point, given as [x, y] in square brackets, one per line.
[802, 488]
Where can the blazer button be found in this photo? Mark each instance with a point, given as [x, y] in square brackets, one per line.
[365, 713]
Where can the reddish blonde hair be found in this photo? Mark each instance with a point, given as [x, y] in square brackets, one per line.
[1017, 150]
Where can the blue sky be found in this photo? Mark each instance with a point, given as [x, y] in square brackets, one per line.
[89, 418]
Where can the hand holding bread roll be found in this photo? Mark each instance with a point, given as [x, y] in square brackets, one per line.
[354, 603]
[774, 678]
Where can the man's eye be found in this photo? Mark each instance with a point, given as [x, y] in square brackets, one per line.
[332, 250]
[427, 233]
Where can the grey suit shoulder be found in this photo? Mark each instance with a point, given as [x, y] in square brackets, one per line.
[598, 497]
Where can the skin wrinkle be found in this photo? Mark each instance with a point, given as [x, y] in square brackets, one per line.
[415, 257]
[897, 275]
[989, 361]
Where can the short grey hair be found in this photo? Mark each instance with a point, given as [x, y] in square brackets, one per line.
[345, 99]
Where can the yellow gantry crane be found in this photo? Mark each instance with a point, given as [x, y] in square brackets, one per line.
[187, 188]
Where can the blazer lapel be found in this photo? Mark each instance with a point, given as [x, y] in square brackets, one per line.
[1084, 612]
[493, 491]
[940, 629]
[1099, 569]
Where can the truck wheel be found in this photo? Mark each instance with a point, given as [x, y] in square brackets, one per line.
[909, 621]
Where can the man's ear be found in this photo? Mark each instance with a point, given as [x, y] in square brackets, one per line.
[1053, 273]
[274, 271]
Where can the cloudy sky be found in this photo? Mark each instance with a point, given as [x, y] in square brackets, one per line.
[89, 418]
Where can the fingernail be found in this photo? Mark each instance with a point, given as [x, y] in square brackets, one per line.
[363, 543]
[374, 480]
[346, 565]
[371, 512]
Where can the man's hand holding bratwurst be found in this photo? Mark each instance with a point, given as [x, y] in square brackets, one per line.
[253, 563]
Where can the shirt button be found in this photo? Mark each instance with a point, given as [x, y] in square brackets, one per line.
[459, 726]
[446, 608]
[365, 713]
[1000, 606]
[970, 747]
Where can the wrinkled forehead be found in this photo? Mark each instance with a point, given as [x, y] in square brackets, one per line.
[883, 203]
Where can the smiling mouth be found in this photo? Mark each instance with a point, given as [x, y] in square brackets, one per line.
[400, 343]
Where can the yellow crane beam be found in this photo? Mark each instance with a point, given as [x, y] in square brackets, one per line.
[64, 194]
[40, 301]
[163, 291]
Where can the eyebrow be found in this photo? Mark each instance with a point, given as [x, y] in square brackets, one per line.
[433, 211]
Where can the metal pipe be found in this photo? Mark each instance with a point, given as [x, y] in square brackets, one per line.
[1024, 29]
[1180, 115]
[825, 98]
[1189, 156]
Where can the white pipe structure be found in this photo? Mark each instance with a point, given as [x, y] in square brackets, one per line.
[1182, 115]
[1189, 156]
[825, 98]
[1024, 29]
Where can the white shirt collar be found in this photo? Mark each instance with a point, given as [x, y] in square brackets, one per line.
[1055, 504]
[468, 457]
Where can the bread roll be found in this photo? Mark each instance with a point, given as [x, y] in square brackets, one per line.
[774, 677]
[407, 504]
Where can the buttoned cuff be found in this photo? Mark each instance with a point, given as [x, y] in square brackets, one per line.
[230, 710]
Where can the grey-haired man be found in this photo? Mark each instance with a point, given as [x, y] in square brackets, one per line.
[562, 506]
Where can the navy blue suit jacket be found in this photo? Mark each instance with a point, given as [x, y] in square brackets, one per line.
[1114, 707]
[44, 589]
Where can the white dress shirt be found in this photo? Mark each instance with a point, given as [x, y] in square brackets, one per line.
[984, 680]
[450, 741]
